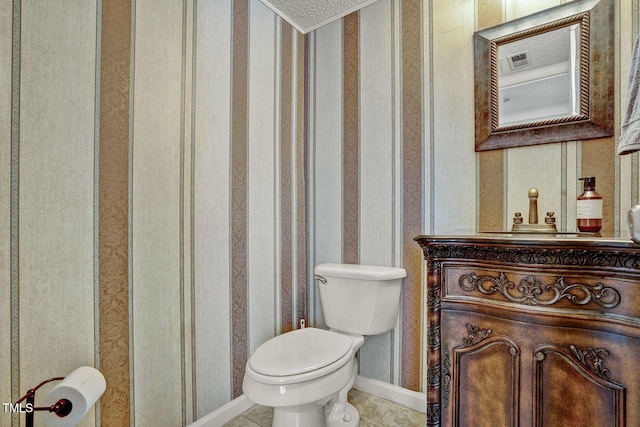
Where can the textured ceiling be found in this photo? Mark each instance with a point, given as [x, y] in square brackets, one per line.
[307, 15]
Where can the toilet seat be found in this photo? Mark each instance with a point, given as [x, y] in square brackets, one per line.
[299, 352]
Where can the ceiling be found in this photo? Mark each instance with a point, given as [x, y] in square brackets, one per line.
[542, 50]
[308, 15]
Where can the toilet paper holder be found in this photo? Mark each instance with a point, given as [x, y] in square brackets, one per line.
[62, 407]
[86, 381]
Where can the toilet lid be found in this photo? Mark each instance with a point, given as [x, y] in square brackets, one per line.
[299, 351]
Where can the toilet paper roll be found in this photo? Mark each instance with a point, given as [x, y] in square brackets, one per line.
[82, 387]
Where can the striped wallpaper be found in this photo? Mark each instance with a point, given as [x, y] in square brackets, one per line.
[153, 198]
[172, 170]
[113, 209]
[366, 164]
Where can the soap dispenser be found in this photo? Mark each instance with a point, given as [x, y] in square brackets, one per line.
[589, 207]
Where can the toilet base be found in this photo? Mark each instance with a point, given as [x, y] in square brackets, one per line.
[310, 418]
[351, 418]
[315, 418]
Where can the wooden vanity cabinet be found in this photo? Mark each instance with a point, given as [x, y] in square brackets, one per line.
[532, 331]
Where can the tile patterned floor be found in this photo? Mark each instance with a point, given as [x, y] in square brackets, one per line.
[374, 412]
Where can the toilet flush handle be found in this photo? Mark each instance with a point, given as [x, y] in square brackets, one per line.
[320, 279]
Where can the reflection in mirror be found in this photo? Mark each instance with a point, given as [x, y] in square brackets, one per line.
[536, 75]
[539, 76]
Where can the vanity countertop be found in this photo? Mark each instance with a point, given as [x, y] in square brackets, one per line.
[586, 240]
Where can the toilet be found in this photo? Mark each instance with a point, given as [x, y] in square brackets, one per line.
[306, 374]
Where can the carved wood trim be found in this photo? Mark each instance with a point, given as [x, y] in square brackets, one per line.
[531, 290]
[592, 359]
[433, 369]
[589, 363]
[433, 414]
[475, 335]
[519, 254]
[446, 377]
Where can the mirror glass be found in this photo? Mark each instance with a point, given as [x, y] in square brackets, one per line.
[539, 77]
[546, 77]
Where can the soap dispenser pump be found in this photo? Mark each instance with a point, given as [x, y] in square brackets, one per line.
[589, 207]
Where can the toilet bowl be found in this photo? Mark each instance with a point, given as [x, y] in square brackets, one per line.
[305, 375]
[297, 373]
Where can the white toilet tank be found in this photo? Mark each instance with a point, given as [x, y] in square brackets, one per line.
[359, 299]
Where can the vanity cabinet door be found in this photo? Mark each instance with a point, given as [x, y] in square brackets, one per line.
[500, 372]
[481, 375]
[571, 387]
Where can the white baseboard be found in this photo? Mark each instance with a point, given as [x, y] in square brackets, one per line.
[394, 393]
[225, 413]
[401, 396]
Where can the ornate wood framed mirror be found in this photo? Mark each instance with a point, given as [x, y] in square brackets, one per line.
[547, 77]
